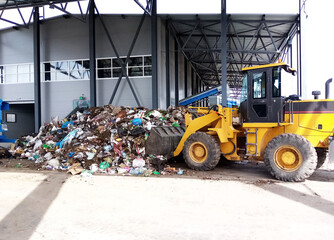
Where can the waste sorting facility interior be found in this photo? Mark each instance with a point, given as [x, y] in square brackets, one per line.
[189, 45]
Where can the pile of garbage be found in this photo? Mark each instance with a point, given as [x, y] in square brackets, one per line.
[105, 139]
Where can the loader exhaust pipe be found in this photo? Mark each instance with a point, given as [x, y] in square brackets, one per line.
[327, 88]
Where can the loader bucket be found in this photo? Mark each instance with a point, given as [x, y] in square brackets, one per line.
[164, 140]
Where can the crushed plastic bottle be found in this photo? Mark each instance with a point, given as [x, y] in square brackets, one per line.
[180, 172]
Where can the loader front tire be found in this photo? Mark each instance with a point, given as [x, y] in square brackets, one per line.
[201, 151]
[290, 157]
[322, 155]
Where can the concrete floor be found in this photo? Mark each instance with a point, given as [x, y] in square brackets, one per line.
[238, 202]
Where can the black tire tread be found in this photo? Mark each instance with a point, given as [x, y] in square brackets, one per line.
[322, 155]
[309, 157]
[213, 151]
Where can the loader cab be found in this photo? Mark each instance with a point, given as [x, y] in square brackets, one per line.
[261, 98]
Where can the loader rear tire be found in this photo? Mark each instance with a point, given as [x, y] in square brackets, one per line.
[290, 157]
[201, 151]
[322, 155]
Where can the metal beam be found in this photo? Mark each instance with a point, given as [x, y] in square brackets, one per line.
[192, 82]
[167, 65]
[92, 54]
[224, 52]
[37, 70]
[147, 9]
[206, 40]
[123, 64]
[179, 43]
[32, 3]
[176, 62]
[154, 39]
[228, 35]
[185, 77]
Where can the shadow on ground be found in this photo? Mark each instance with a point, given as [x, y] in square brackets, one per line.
[312, 200]
[23, 220]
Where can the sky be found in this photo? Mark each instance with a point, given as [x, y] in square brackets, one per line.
[316, 19]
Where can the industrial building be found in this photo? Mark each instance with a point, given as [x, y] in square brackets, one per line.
[50, 65]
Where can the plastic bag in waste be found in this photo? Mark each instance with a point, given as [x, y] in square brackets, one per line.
[90, 155]
[122, 132]
[69, 137]
[65, 124]
[137, 131]
[53, 163]
[86, 174]
[137, 121]
[94, 168]
[155, 114]
[55, 120]
[38, 144]
[80, 116]
[104, 165]
[138, 163]
[48, 156]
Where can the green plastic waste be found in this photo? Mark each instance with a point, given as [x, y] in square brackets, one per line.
[175, 124]
[46, 146]
[104, 165]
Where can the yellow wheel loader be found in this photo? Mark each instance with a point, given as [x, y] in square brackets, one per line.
[290, 135]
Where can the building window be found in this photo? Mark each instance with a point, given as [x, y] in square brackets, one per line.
[104, 68]
[65, 70]
[137, 66]
[116, 67]
[1, 74]
[148, 66]
[17, 73]
[11, 117]
[79, 69]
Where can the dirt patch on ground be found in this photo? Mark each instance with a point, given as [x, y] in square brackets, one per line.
[248, 172]
[19, 164]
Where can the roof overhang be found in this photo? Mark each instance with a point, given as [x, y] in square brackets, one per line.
[11, 4]
[252, 39]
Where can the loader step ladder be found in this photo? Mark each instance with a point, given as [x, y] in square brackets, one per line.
[247, 133]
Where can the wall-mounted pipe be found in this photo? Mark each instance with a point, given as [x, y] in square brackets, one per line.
[327, 88]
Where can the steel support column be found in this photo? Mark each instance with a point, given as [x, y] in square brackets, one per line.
[92, 54]
[224, 52]
[167, 66]
[37, 70]
[185, 78]
[196, 84]
[192, 82]
[290, 53]
[176, 60]
[154, 39]
[299, 54]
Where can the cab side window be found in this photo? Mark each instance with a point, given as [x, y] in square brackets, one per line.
[259, 85]
[276, 84]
